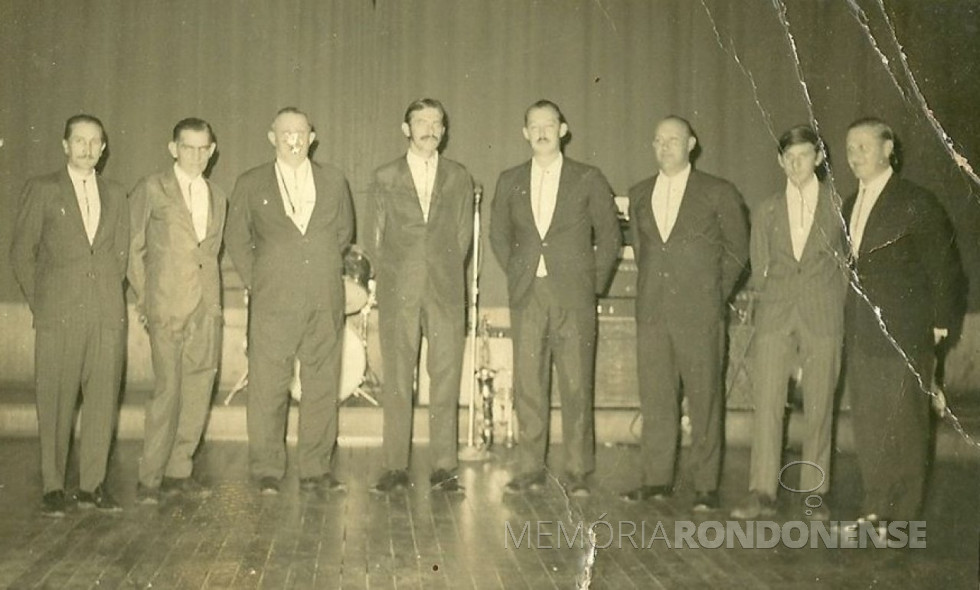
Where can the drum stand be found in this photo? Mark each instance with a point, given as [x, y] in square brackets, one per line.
[370, 378]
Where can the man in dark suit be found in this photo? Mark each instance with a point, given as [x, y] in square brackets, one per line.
[554, 231]
[177, 217]
[799, 277]
[69, 251]
[691, 243]
[288, 224]
[422, 228]
[905, 297]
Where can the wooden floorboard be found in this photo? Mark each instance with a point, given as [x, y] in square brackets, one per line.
[424, 539]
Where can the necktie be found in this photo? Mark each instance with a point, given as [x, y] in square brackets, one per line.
[661, 213]
[426, 196]
[538, 209]
[857, 225]
[199, 211]
[89, 221]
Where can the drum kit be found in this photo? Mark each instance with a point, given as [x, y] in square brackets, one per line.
[357, 375]
[358, 379]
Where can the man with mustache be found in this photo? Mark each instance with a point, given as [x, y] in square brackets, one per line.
[177, 218]
[288, 224]
[422, 225]
[69, 252]
[554, 231]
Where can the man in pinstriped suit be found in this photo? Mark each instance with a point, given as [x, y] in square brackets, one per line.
[799, 278]
[71, 242]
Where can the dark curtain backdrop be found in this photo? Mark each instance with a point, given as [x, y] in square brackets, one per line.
[742, 72]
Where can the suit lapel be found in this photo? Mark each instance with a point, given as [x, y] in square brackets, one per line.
[171, 190]
[691, 192]
[408, 186]
[565, 182]
[644, 209]
[875, 227]
[213, 211]
[822, 223]
[437, 185]
[70, 205]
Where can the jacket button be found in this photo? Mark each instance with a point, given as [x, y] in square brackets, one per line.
[200, 266]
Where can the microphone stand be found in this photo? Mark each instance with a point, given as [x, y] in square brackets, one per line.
[472, 452]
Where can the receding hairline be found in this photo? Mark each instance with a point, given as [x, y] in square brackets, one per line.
[291, 111]
[684, 124]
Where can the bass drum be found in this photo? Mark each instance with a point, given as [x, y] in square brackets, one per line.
[352, 370]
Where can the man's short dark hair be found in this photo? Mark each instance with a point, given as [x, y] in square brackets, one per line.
[425, 103]
[797, 135]
[83, 118]
[545, 104]
[193, 124]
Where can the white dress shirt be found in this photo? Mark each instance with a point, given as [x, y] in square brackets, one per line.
[868, 194]
[668, 192]
[424, 176]
[801, 205]
[195, 193]
[544, 198]
[87, 193]
[298, 192]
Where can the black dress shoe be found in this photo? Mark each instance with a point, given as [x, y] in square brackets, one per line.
[324, 483]
[98, 498]
[53, 504]
[576, 486]
[146, 495]
[268, 486]
[393, 480]
[644, 493]
[446, 481]
[706, 501]
[531, 481]
[187, 486]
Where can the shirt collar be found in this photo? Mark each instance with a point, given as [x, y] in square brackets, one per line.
[183, 178]
[681, 176]
[300, 170]
[809, 190]
[415, 159]
[76, 177]
[877, 184]
[554, 166]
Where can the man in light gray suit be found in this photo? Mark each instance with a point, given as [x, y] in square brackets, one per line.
[799, 279]
[177, 217]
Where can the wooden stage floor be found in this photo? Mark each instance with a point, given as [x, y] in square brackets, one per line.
[422, 539]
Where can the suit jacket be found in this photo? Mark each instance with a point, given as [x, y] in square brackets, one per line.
[414, 257]
[170, 272]
[282, 268]
[908, 267]
[816, 284]
[62, 276]
[690, 277]
[582, 243]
